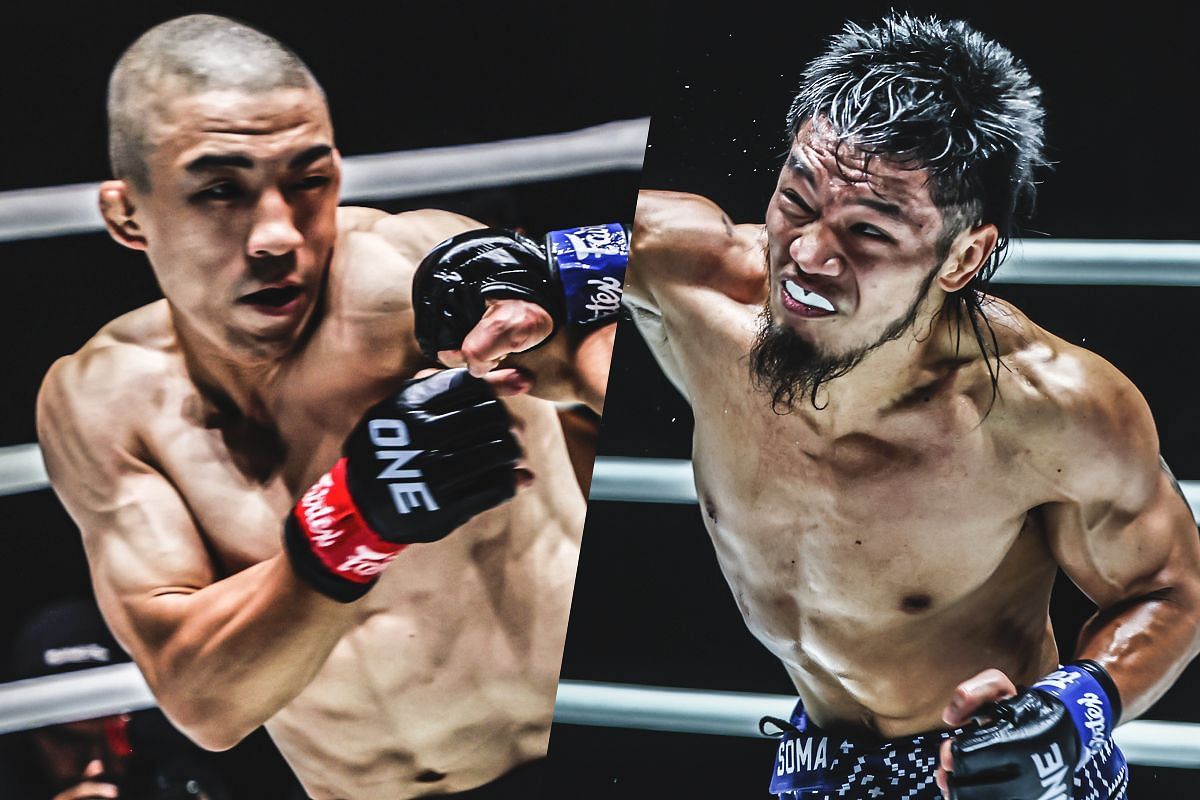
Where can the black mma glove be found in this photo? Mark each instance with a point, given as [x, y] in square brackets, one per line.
[417, 466]
[577, 279]
[1038, 739]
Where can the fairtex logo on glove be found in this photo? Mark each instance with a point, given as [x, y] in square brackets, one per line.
[407, 494]
[590, 263]
[1086, 703]
[319, 515]
[1060, 680]
[366, 563]
[1094, 721]
[606, 299]
[596, 241]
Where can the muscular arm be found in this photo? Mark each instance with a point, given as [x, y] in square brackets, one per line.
[1126, 537]
[684, 246]
[222, 655]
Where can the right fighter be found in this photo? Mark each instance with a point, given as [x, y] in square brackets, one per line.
[893, 465]
[285, 525]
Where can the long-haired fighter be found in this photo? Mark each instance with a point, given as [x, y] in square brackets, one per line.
[256, 477]
[893, 465]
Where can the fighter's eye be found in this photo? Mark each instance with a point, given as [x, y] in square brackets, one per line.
[871, 232]
[311, 182]
[794, 197]
[226, 190]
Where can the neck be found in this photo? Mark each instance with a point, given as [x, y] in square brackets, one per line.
[938, 343]
[230, 381]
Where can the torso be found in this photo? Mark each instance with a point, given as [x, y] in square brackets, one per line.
[448, 679]
[883, 556]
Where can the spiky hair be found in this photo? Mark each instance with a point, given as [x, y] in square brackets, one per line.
[938, 96]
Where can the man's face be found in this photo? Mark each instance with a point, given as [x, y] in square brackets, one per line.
[240, 218]
[848, 252]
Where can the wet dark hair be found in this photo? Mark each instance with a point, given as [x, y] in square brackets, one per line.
[942, 97]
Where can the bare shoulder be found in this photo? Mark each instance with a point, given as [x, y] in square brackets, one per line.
[410, 233]
[1084, 423]
[687, 240]
[377, 253]
[96, 399]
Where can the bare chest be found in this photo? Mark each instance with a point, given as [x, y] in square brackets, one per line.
[858, 528]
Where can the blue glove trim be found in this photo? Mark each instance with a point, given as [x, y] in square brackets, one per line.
[590, 265]
[1087, 704]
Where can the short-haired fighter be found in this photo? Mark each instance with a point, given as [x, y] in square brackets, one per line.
[925, 458]
[258, 473]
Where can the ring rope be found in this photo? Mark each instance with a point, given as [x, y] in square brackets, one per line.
[120, 688]
[614, 478]
[612, 146]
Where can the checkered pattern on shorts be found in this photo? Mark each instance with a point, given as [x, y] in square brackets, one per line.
[812, 764]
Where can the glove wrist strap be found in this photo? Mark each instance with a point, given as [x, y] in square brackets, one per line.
[589, 264]
[329, 544]
[1088, 702]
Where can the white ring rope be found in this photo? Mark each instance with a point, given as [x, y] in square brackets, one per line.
[60, 210]
[616, 705]
[623, 480]
[121, 688]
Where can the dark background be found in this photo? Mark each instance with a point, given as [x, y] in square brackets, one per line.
[398, 76]
[650, 605]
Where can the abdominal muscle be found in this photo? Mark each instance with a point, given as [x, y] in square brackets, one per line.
[878, 622]
[448, 681]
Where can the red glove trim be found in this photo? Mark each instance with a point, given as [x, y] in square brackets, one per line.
[337, 534]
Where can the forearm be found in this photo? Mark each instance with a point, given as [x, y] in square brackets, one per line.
[1145, 643]
[231, 655]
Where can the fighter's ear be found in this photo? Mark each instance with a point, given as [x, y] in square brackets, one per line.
[119, 212]
[968, 254]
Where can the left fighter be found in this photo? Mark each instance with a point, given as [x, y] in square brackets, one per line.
[249, 460]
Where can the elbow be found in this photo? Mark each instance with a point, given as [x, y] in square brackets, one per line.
[211, 720]
[206, 726]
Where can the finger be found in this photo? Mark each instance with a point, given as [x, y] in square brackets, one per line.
[508, 382]
[942, 783]
[507, 326]
[946, 756]
[970, 695]
[89, 790]
[425, 373]
[525, 477]
[452, 358]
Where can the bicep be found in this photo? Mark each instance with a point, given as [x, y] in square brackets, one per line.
[1123, 548]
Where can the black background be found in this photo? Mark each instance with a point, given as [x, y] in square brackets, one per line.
[398, 75]
[650, 605]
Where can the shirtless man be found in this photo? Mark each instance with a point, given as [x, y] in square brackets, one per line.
[923, 458]
[182, 435]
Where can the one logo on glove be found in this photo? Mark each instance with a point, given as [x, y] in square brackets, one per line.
[407, 494]
[1093, 712]
[1052, 772]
